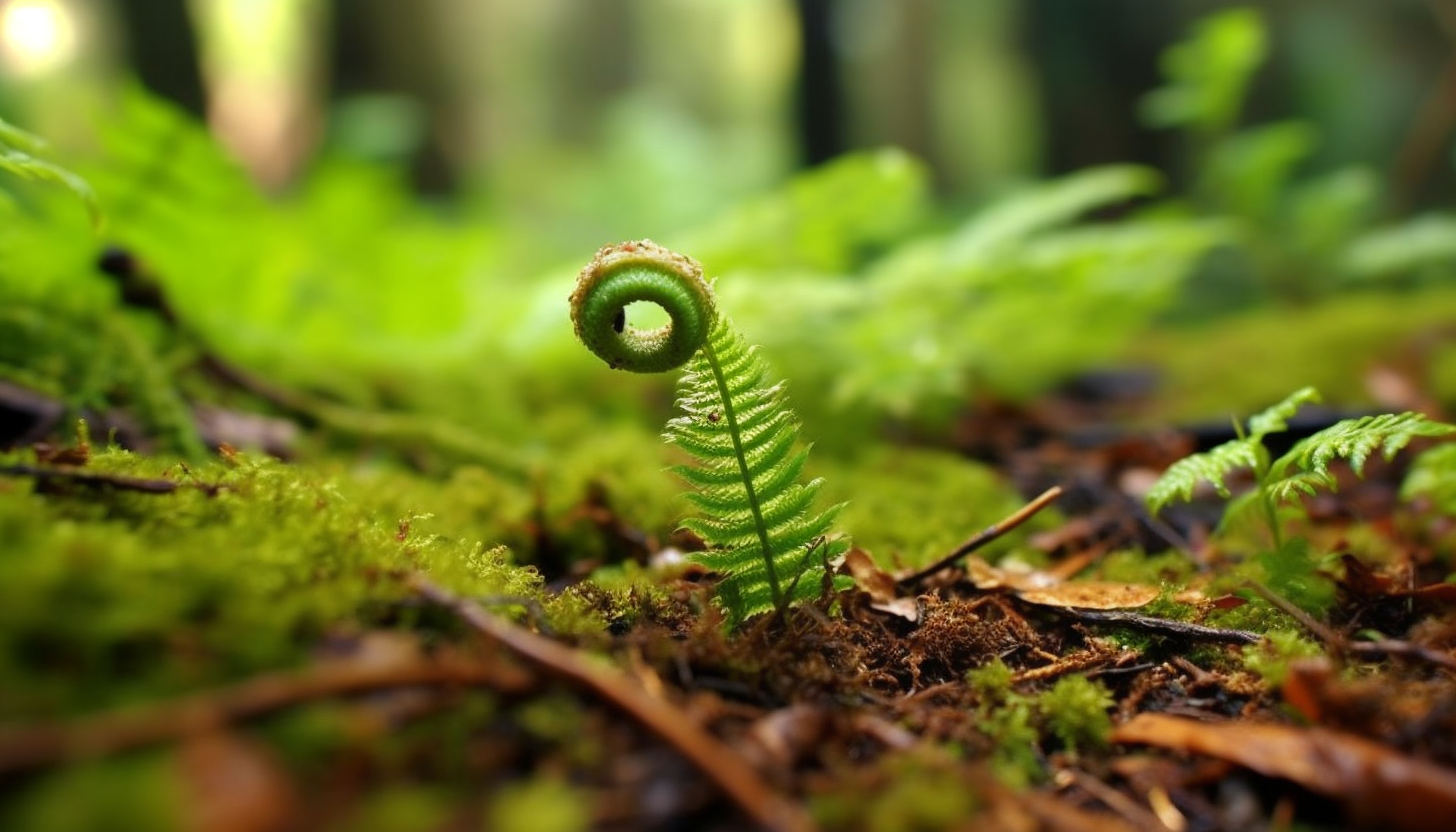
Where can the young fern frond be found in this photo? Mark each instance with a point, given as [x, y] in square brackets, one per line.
[759, 519]
[1213, 466]
[1352, 439]
[1304, 470]
[20, 155]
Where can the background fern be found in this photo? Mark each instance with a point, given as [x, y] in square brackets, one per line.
[1301, 471]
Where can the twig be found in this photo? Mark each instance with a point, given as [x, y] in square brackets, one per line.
[23, 747]
[1167, 626]
[96, 479]
[987, 535]
[1337, 641]
[1323, 633]
[718, 762]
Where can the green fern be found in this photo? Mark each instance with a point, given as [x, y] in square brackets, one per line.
[1185, 475]
[1303, 471]
[747, 480]
[1433, 476]
[758, 518]
[19, 155]
[1351, 439]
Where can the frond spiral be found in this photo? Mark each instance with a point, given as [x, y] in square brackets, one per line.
[758, 514]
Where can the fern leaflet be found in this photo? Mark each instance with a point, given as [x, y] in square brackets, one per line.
[1304, 470]
[1352, 439]
[1213, 466]
[741, 434]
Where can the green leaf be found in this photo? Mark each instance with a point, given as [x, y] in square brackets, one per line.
[1179, 481]
[18, 151]
[1209, 72]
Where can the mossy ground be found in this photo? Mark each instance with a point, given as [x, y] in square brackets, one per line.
[140, 580]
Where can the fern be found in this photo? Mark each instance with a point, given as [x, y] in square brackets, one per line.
[1303, 471]
[1212, 467]
[19, 156]
[1351, 439]
[758, 514]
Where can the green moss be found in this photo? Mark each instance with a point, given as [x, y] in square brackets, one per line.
[921, 790]
[1206, 368]
[1135, 567]
[1270, 658]
[1076, 710]
[916, 505]
[541, 805]
[400, 807]
[113, 596]
[1008, 719]
[128, 794]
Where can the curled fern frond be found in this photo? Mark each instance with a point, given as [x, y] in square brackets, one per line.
[759, 517]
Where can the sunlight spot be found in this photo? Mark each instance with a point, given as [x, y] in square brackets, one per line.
[36, 36]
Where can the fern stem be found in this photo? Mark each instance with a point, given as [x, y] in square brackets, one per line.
[753, 504]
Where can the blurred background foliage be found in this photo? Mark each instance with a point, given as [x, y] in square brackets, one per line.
[911, 205]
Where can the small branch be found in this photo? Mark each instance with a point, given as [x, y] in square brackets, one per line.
[1331, 638]
[1165, 626]
[987, 535]
[1365, 649]
[24, 747]
[717, 761]
[96, 479]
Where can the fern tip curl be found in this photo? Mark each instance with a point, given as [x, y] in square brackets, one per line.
[642, 271]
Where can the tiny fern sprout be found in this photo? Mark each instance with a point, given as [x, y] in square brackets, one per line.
[758, 516]
[1303, 470]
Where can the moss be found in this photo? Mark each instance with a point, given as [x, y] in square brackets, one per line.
[913, 506]
[921, 790]
[128, 794]
[541, 805]
[1271, 657]
[1007, 718]
[1206, 368]
[1076, 710]
[1135, 567]
[113, 596]
[400, 807]
[558, 720]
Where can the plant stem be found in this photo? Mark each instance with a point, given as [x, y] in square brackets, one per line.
[732, 419]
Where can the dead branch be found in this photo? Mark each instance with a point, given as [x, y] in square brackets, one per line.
[23, 747]
[718, 762]
[987, 535]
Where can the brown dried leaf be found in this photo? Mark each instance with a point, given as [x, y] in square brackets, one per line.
[1047, 589]
[1377, 785]
[1092, 595]
[869, 577]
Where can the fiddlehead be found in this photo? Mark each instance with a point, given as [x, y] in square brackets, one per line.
[642, 271]
[738, 428]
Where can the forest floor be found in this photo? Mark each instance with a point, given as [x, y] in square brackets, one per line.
[247, 645]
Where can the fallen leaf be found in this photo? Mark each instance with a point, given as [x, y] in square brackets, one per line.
[1377, 785]
[1049, 590]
